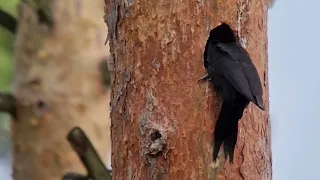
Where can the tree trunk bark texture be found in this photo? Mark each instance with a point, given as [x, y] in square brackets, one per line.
[58, 86]
[162, 120]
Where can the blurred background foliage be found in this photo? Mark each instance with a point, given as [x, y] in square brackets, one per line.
[6, 73]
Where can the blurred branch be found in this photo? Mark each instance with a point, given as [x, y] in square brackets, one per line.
[8, 21]
[8, 103]
[88, 156]
[43, 11]
[105, 73]
[75, 176]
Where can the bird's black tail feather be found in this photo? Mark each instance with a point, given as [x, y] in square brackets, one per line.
[226, 130]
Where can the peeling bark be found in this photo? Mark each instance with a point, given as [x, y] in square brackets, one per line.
[162, 120]
[58, 86]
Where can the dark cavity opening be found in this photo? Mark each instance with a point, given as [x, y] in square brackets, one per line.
[223, 33]
[155, 135]
[41, 104]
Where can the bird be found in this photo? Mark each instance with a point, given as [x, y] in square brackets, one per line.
[235, 80]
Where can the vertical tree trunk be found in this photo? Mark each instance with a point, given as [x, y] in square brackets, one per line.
[162, 120]
[58, 86]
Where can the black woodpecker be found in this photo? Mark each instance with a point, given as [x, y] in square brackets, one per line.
[235, 79]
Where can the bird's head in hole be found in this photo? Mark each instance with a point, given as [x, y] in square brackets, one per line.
[223, 33]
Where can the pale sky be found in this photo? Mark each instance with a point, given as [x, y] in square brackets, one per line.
[294, 85]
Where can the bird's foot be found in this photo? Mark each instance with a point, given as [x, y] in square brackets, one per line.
[204, 78]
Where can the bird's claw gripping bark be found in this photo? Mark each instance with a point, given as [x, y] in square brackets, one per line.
[204, 78]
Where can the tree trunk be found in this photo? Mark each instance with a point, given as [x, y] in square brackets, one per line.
[58, 86]
[162, 120]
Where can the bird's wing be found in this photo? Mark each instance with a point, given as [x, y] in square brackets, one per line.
[235, 65]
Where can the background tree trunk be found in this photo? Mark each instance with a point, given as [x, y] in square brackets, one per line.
[58, 86]
[162, 120]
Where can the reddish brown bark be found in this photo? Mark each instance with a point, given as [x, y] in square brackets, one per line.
[58, 86]
[162, 120]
